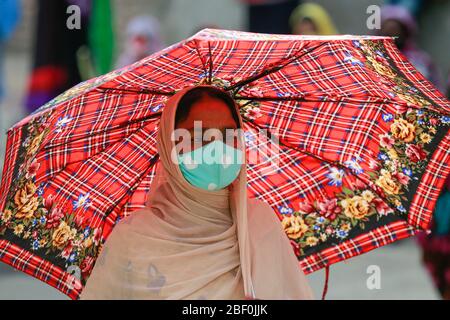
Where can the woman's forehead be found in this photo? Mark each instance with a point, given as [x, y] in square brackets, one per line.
[213, 113]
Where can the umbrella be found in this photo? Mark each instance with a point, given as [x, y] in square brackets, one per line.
[355, 140]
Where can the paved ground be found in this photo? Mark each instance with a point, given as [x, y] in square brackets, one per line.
[402, 275]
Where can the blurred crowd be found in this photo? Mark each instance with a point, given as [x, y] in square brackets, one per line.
[63, 57]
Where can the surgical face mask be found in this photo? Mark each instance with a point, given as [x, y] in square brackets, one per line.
[211, 167]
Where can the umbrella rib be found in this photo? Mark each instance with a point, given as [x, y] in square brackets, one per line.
[152, 162]
[305, 99]
[325, 99]
[210, 63]
[144, 91]
[335, 163]
[278, 66]
[205, 69]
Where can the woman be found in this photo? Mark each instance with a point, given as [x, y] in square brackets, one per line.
[199, 237]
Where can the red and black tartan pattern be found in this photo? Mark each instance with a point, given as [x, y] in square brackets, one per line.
[323, 109]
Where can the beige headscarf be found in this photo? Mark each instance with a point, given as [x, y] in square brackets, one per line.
[189, 243]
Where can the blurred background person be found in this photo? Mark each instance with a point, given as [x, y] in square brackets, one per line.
[269, 16]
[9, 10]
[56, 66]
[412, 5]
[143, 38]
[436, 246]
[311, 19]
[397, 21]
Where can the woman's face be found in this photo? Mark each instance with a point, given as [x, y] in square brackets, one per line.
[209, 119]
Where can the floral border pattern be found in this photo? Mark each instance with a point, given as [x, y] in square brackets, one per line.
[38, 221]
[402, 157]
[51, 230]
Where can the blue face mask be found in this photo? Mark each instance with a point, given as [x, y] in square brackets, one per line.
[211, 167]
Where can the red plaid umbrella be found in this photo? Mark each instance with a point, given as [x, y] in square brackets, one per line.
[363, 148]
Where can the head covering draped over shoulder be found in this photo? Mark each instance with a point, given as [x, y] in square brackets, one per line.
[317, 14]
[190, 243]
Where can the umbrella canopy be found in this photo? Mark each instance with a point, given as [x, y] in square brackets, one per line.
[350, 146]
